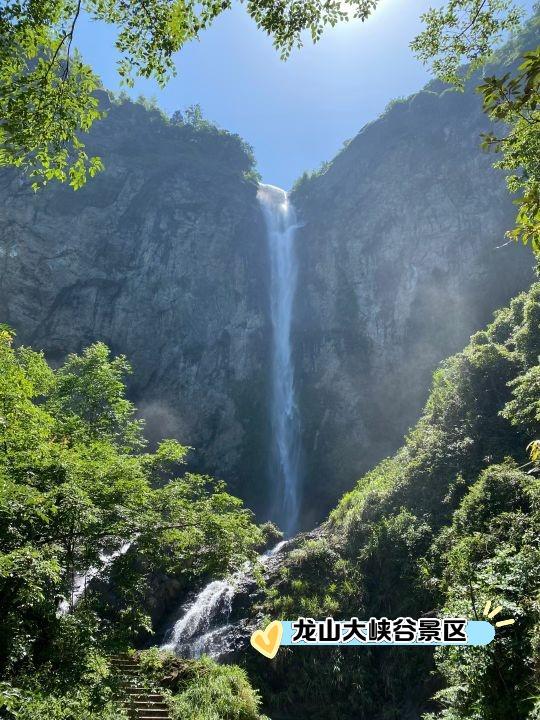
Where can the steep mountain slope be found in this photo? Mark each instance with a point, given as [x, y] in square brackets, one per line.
[448, 523]
[402, 257]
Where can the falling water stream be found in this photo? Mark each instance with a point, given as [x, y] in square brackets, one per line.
[81, 581]
[204, 625]
[281, 225]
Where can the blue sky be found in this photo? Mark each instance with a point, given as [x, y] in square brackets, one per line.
[297, 113]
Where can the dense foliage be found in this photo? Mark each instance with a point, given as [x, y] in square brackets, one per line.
[448, 523]
[81, 498]
[515, 101]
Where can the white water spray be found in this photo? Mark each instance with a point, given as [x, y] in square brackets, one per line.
[281, 225]
[204, 627]
[193, 634]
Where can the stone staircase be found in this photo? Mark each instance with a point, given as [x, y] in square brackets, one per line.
[139, 703]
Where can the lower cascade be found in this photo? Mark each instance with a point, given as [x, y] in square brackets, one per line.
[281, 225]
[204, 626]
[82, 581]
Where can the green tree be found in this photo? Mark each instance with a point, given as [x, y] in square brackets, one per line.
[76, 485]
[48, 94]
[515, 101]
[460, 36]
[467, 31]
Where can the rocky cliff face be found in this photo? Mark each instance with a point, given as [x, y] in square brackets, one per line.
[400, 261]
[162, 257]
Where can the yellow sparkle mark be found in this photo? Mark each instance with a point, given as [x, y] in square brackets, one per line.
[495, 612]
[490, 614]
[503, 623]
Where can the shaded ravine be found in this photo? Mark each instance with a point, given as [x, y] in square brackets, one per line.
[285, 467]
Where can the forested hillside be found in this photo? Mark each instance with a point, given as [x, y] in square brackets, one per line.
[448, 523]
[81, 497]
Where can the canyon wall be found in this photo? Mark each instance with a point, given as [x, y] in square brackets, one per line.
[163, 256]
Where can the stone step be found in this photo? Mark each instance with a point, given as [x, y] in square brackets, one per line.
[147, 697]
[148, 709]
[136, 690]
[140, 703]
[143, 710]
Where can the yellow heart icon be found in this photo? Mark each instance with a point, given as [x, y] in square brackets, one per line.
[267, 641]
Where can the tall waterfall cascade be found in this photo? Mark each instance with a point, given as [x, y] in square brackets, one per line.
[207, 624]
[285, 471]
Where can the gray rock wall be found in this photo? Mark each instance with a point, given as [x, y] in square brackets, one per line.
[401, 260]
[162, 257]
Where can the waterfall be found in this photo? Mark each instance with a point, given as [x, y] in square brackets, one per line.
[204, 626]
[82, 580]
[195, 634]
[281, 225]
